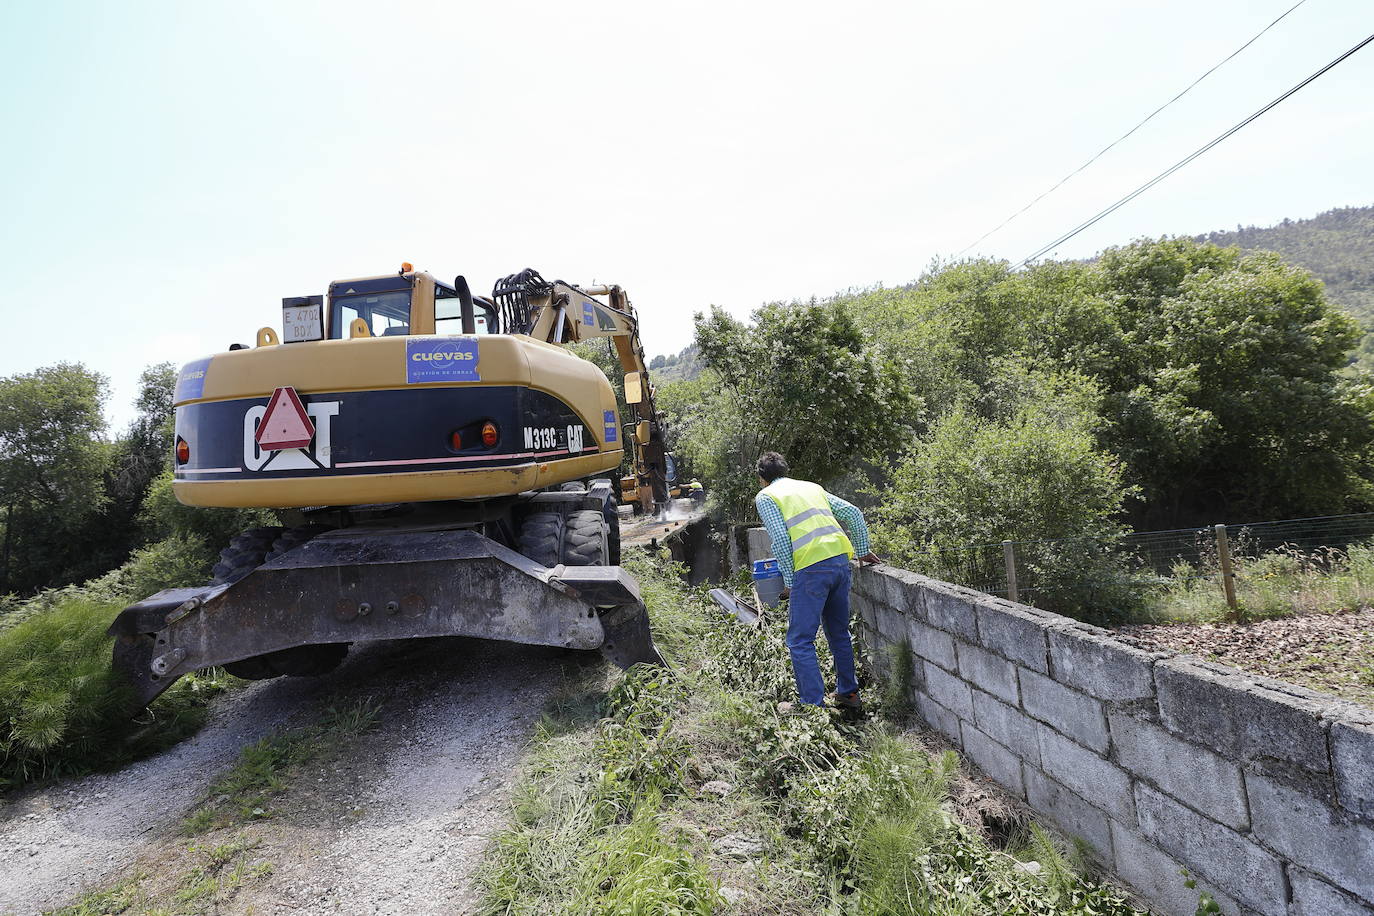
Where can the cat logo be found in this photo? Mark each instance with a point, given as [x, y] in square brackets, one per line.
[314, 456]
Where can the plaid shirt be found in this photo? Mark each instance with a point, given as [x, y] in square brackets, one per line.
[848, 514]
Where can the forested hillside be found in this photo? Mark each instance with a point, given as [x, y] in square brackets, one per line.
[1337, 246]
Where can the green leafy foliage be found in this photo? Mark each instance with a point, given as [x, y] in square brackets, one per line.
[802, 379]
[858, 819]
[62, 709]
[53, 461]
[1337, 246]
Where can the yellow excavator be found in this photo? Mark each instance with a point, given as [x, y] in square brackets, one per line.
[434, 456]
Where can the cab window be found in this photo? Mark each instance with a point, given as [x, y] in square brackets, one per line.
[386, 314]
[448, 314]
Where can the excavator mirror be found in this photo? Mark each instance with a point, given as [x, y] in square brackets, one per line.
[634, 389]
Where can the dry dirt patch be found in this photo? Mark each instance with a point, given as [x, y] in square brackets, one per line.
[1330, 652]
[394, 822]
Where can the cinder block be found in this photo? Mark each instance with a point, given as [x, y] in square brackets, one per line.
[891, 623]
[1253, 875]
[1014, 633]
[1276, 733]
[1314, 897]
[867, 581]
[1069, 811]
[951, 611]
[949, 691]
[999, 763]
[931, 644]
[1159, 878]
[905, 590]
[939, 718]
[1197, 777]
[1312, 835]
[1352, 757]
[1084, 772]
[1006, 725]
[1075, 714]
[861, 608]
[988, 672]
[1090, 660]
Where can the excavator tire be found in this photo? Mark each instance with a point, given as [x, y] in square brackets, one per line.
[585, 539]
[247, 551]
[612, 522]
[292, 538]
[541, 537]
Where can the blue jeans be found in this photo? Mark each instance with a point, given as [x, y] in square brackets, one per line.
[820, 597]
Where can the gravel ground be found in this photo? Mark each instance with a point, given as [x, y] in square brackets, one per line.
[1331, 652]
[396, 827]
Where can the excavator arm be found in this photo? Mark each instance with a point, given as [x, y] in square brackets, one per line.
[561, 313]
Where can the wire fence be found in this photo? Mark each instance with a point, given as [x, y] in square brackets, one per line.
[1259, 568]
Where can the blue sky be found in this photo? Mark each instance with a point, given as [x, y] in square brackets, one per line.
[171, 170]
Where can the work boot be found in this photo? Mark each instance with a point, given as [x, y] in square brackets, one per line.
[847, 700]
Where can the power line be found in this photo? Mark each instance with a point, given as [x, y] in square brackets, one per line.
[1184, 161]
[1147, 120]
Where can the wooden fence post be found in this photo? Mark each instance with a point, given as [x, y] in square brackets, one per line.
[1009, 554]
[1228, 580]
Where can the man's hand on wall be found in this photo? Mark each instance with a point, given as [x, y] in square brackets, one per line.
[869, 559]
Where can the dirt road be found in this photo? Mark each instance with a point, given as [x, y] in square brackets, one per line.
[395, 827]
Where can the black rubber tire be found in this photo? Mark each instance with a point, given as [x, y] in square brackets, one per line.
[541, 537]
[585, 539]
[572, 486]
[246, 552]
[612, 533]
[292, 538]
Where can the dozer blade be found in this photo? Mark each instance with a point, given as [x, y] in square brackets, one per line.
[369, 584]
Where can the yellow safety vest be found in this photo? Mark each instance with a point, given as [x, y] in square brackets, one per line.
[815, 532]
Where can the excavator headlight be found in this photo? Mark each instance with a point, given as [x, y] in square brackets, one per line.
[183, 451]
[490, 434]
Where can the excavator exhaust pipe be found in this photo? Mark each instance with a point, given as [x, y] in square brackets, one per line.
[360, 584]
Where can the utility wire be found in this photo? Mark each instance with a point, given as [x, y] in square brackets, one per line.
[1184, 161]
[1147, 120]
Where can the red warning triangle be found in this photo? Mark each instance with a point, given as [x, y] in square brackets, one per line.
[286, 424]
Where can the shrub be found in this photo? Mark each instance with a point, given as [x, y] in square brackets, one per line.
[62, 709]
[64, 712]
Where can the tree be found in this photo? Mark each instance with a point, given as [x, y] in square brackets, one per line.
[803, 380]
[1223, 392]
[53, 460]
[1033, 473]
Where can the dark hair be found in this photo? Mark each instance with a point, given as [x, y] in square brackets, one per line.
[771, 466]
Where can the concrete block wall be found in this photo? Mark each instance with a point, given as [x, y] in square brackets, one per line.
[1262, 791]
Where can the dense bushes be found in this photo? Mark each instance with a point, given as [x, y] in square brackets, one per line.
[62, 709]
[1164, 385]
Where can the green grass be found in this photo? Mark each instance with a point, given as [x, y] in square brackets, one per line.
[63, 712]
[1277, 583]
[264, 768]
[209, 879]
[852, 817]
